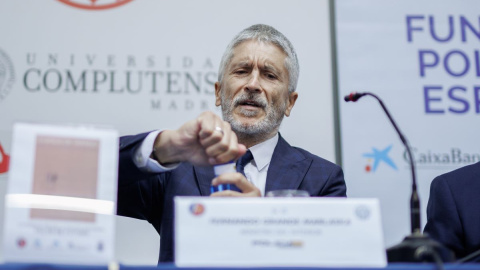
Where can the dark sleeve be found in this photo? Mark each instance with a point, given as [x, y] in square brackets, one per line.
[443, 222]
[139, 193]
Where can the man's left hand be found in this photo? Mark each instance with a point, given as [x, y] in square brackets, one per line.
[247, 188]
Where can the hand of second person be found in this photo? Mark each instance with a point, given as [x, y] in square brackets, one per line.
[206, 140]
[247, 188]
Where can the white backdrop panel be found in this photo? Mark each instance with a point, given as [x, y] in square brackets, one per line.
[150, 64]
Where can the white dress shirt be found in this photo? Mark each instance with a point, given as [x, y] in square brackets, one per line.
[142, 156]
[255, 171]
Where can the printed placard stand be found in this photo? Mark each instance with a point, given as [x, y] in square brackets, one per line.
[278, 232]
[61, 195]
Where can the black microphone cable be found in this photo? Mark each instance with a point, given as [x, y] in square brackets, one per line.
[426, 253]
[469, 257]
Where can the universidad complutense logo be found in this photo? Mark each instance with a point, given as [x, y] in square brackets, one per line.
[4, 160]
[7, 75]
[379, 157]
[95, 4]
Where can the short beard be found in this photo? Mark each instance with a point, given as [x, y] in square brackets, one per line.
[259, 131]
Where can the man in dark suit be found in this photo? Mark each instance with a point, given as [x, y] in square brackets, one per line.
[453, 211]
[255, 89]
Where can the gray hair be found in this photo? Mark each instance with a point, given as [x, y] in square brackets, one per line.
[268, 34]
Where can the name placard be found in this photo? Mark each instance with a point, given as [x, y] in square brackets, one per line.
[61, 195]
[306, 232]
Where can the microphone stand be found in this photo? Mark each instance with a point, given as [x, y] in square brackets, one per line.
[416, 247]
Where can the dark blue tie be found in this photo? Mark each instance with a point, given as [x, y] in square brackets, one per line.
[244, 160]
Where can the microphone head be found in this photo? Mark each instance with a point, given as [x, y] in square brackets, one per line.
[353, 96]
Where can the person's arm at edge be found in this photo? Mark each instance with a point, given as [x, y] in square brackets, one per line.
[443, 223]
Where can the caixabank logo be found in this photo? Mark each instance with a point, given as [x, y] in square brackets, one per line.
[443, 159]
[95, 4]
[7, 75]
[379, 157]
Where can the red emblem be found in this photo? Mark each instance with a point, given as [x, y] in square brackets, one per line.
[197, 209]
[95, 4]
[4, 160]
[21, 243]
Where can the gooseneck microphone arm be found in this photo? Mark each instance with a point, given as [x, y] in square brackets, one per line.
[414, 199]
[416, 247]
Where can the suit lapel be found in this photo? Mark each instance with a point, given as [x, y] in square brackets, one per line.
[287, 167]
[204, 179]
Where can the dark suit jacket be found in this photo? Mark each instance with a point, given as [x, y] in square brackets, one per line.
[150, 196]
[453, 211]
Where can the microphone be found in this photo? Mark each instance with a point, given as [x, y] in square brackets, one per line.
[354, 96]
[416, 247]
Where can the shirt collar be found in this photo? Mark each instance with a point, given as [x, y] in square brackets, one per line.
[263, 152]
